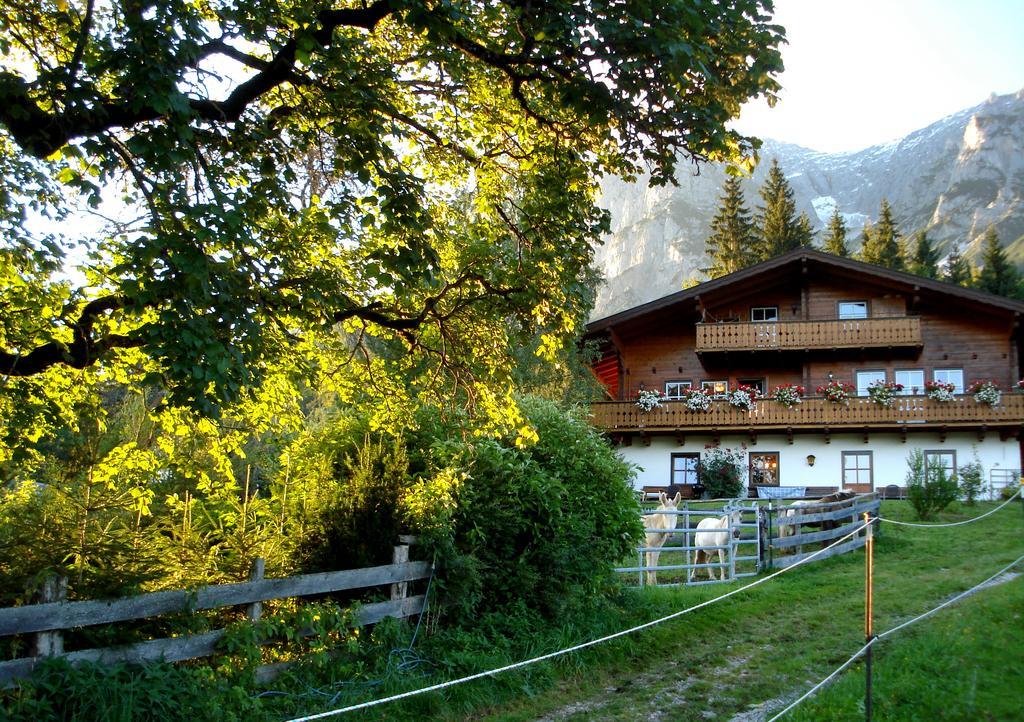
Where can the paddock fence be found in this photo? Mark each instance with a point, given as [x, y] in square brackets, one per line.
[770, 535]
[47, 620]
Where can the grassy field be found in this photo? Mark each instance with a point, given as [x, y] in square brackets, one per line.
[754, 652]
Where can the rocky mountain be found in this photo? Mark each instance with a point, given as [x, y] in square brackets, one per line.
[953, 178]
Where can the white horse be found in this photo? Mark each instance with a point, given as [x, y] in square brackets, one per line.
[715, 534]
[656, 539]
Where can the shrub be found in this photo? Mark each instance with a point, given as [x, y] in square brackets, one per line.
[722, 472]
[536, 527]
[971, 480]
[931, 492]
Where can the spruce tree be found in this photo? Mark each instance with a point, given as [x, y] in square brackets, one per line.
[866, 234]
[958, 269]
[883, 245]
[997, 275]
[730, 246]
[805, 233]
[777, 227]
[924, 259]
[835, 241]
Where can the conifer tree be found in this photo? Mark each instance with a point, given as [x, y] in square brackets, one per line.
[997, 274]
[958, 269]
[866, 234]
[882, 246]
[835, 241]
[730, 246]
[924, 258]
[804, 231]
[777, 225]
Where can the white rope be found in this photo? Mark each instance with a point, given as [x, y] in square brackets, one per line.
[825, 681]
[956, 523]
[576, 648]
[895, 629]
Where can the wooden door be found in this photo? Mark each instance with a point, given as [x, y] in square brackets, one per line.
[858, 471]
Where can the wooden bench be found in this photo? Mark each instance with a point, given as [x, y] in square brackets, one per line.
[652, 493]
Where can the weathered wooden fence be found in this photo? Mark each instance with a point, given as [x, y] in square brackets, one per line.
[47, 620]
[824, 523]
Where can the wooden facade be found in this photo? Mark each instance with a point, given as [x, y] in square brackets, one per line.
[788, 321]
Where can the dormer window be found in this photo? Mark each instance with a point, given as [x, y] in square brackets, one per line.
[853, 309]
[760, 314]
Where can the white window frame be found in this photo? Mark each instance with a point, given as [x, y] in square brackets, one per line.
[762, 309]
[712, 386]
[909, 386]
[929, 460]
[677, 391]
[942, 376]
[876, 374]
[859, 304]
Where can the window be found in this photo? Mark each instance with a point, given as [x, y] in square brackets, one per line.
[764, 313]
[950, 376]
[944, 460]
[718, 389]
[753, 383]
[675, 389]
[684, 469]
[764, 468]
[857, 469]
[853, 309]
[866, 378]
[912, 380]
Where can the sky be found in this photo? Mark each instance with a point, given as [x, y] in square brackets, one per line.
[864, 72]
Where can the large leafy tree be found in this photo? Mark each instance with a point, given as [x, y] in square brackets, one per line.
[391, 181]
[731, 244]
[778, 228]
[882, 244]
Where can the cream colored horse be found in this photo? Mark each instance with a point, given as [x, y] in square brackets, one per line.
[657, 539]
[715, 533]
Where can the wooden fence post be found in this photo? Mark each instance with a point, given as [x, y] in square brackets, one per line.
[51, 644]
[400, 555]
[254, 610]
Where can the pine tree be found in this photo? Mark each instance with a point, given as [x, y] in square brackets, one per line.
[924, 259]
[882, 246]
[997, 275]
[805, 233]
[866, 234]
[730, 246]
[835, 241]
[777, 225]
[958, 269]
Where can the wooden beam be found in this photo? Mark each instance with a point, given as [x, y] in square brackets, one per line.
[903, 434]
[828, 435]
[789, 435]
[867, 434]
[981, 433]
[753, 436]
[942, 434]
[680, 437]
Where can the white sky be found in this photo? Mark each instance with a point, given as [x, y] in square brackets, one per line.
[869, 71]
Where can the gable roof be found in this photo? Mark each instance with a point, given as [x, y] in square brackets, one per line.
[899, 280]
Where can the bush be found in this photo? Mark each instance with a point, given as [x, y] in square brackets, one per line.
[722, 472]
[931, 492]
[534, 528]
[971, 480]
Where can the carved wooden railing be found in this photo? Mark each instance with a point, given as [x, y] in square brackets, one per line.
[777, 335]
[813, 412]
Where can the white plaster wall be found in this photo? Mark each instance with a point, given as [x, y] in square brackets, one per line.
[889, 455]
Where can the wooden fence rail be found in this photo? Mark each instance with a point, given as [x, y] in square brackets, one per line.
[848, 513]
[47, 619]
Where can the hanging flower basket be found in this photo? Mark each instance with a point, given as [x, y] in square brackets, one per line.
[742, 397]
[697, 399]
[789, 395]
[939, 391]
[836, 392]
[986, 392]
[648, 400]
[884, 393]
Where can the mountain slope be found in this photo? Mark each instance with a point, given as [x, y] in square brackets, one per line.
[953, 178]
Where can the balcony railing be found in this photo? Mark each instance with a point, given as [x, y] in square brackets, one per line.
[908, 411]
[792, 335]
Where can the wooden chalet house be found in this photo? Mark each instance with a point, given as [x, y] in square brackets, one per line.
[807, 318]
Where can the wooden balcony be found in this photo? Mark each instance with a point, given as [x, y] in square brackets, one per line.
[907, 413]
[799, 335]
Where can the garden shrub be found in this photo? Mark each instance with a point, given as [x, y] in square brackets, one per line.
[536, 527]
[931, 492]
[971, 480]
[722, 472]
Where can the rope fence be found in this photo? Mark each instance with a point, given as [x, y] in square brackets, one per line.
[955, 523]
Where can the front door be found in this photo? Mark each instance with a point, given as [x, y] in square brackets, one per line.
[858, 473]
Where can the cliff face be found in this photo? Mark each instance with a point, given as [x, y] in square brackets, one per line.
[953, 178]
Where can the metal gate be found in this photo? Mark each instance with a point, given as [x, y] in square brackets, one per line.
[677, 558]
[999, 479]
